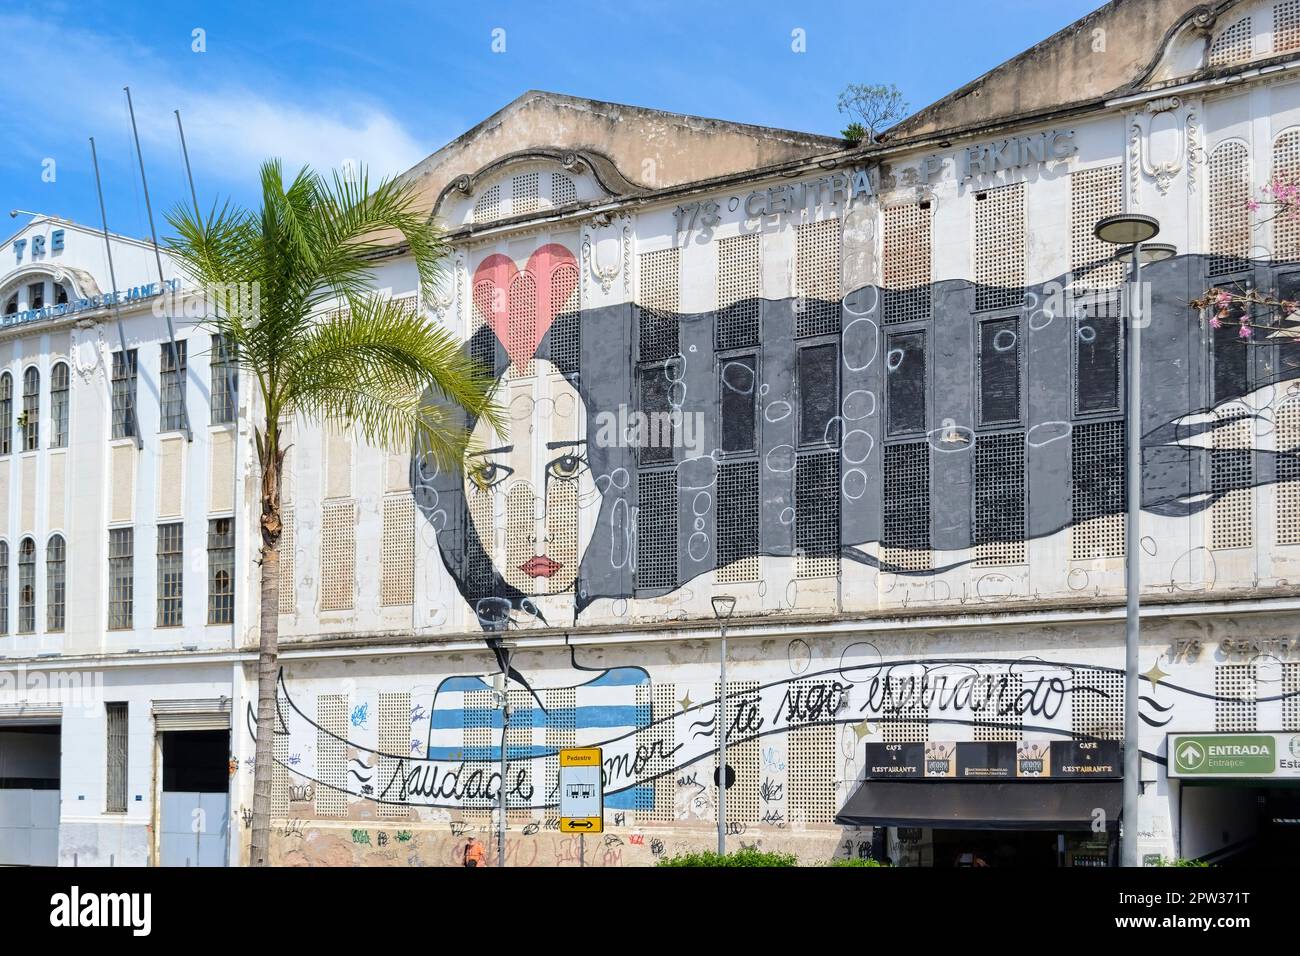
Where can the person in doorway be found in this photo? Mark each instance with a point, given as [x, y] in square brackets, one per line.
[475, 854]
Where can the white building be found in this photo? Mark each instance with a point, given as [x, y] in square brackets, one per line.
[888, 382]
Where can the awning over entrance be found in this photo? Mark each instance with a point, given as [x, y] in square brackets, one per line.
[1044, 805]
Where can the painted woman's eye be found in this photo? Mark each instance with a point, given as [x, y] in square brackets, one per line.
[488, 474]
[567, 467]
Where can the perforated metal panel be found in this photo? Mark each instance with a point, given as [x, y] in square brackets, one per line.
[1233, 45]
[738, 292]
[523, 321]
[398, 578]
[817, 515]
[519, 747]
[561, 527]
[566, 328]
[995, 696]
[330, 798]
[1097, 704]
[905, 271]
[656, 529]
[1000, 499]
[811, 772]
[817, 278]
[395, 745]
[737, 529]
[1000, 248]
[288, 579]
[742, 757]
[904, 716]
[280, 776]
[488, 205]
[521, 525]
[338, 555]
[482, 340]
[1229, 189]
[1287, 490]
[562, 190]
[659, 304]
[1286, 26]
[479, 563]
[1235, 693]
[906, 538]
[1286, 169]
[1094, 194]
[523, 194]
[659, 740]
[1097, 500]
[561, 732]
[477, 718]
[1232, 516]
[998, 360]
[1291, 696]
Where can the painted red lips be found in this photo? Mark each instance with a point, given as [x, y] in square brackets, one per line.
[540, 566]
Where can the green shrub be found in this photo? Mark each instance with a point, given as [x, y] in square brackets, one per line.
[745, 857]
[1182, 861]
[856, 861]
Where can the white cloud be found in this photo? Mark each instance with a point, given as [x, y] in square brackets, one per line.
[230, 127]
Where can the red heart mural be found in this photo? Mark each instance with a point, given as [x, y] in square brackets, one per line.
[519, 307]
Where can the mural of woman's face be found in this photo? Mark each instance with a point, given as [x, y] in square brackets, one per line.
[525, 489]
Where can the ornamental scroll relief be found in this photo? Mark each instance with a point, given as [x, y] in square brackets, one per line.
[1162, 145]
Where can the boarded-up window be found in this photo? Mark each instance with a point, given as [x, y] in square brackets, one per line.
[819, 395]
[1000, 499]
[288, 579]
[398, 585]
[1232, 516]
[905, 382]
[1233, 45]
[1096, 364]
[906, 538]
[656, 392]
[1236, 695]
[736, 388]
[523, 194]
[566, 329]
[999, 372]
[1288, 473]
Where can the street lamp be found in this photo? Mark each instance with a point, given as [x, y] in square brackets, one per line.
[505, 649]
[1131, 231]
[723, 605]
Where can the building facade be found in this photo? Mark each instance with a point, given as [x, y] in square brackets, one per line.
[875, 395]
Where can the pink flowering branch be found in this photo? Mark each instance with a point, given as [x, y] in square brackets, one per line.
[1252, 312]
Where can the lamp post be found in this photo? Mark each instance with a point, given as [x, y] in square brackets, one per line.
[505, 723]
[723, 605]
[1131, 231]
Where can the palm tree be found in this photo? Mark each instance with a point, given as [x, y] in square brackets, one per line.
[322, 344]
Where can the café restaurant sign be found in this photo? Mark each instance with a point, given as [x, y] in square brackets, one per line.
[1235, 755]
[1007, 760]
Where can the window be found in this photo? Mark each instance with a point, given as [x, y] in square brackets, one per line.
[906, 537]
[656, 390]
[659, 304]
[59, 405]
[817, 515]
[116, 756]
[656, 537]
[737, 533]
[1097, 340]
[121, 579]
[6, 413]
[905, 382]
[60, 295]
[11, 307]
[817, 278]
[1097, 506]
[999, 371]
[906, 267]
[225, 382]
[55, 583]
[1000, 248]
[736, 390]
[738, 292]
[999, 524]
[221, 570]
[124, 377]
[173, 387]
[31, 409]
[36, 295]
[171, 573]
[819, 395]
[27, 586]
[4, 587]
[1229, 189]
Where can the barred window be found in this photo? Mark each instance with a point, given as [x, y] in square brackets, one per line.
[173, 387]
[124, 379]
[27, 586]
[221, 570]
[59, 405]
[116, 756]
[225, 381]
[6, 413]
[171, 573]
[4, 587]
[56, 564]
[31, 420]
[121, 579]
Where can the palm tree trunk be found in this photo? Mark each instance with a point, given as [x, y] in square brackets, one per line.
[268, 651]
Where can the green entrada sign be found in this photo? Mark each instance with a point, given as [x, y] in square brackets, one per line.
[1234, 755]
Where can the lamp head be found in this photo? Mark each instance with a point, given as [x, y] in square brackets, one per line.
[1126, 229]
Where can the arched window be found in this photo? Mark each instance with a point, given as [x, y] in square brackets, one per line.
[59, 405]
[31, 409]
[4, 587]
[60, 295]
[11, 307]
[6, 413]
[27, 586]
[56, 567]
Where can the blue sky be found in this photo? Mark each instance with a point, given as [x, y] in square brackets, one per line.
[388, 83]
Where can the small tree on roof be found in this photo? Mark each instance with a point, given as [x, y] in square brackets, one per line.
[873, 107]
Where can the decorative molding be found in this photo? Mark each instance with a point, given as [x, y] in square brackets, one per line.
[606, 274]
[1193, 137]
[1165, 171]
